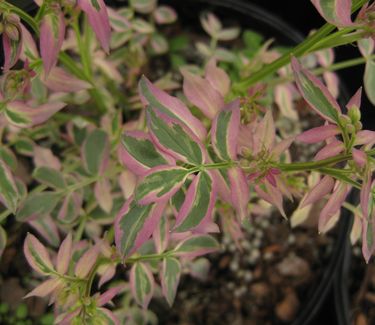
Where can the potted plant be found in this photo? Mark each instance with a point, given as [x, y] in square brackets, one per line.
[130, 184]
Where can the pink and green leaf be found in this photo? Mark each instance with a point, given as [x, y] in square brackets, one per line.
[198, 204]
[52, 33]
[22, 115]
[224, 132]
[160, 183]
[139, 153]
[161, 235]
[141, 284]
[135, 224]
[103, 195]
[97, 15]
[174, 138]
[171, 106]
[336, 12]
[165, 15]
[47, 228]
[315, 93]
[9, 195]
[196, 245]
[37, 255]
[12, 51]
[169, 278]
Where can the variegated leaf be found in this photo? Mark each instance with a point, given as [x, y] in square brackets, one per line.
[139, 153]
[224, 132]
[135, 224]
[160, 183]
[171, 106]
[141, 284]
[169, 278]
[315, 93]
[198, 204]
[175, 138]
[196, 245]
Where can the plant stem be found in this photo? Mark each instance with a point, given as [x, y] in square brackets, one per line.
[302, 166]
[301, 49]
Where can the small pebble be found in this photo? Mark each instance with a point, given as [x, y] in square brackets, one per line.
[234, 266]
[291, 239]
[248, 276]
[268, 256]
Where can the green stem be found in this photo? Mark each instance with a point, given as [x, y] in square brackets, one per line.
[311, 165]
[149, 257]
[301, 49]
[319, 71]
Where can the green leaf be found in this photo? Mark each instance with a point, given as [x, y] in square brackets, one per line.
[50, 177]
[253, 41]
[38, 205]
[9, 195]
[95, 151]
[170, 278]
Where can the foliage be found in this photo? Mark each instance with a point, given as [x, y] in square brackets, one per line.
[135, 181]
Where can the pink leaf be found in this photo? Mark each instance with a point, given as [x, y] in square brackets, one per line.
[355, 101]
[161, 235]
[52, 33]
[365, 137]
[359, 157]
[366, 197]
[45, 157]
[60, 80]
[333, 205]
[217, 78]
[107, 296]
[64, 255]
[264, 136]
[239, 191]
[97, 14]
[324, 186]
[102, 191]
[319, 133]
[330, 150]
[12, 51]
[44, 288]
[173, 107]
[202, 94]
[107, 275]
[86, 262]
